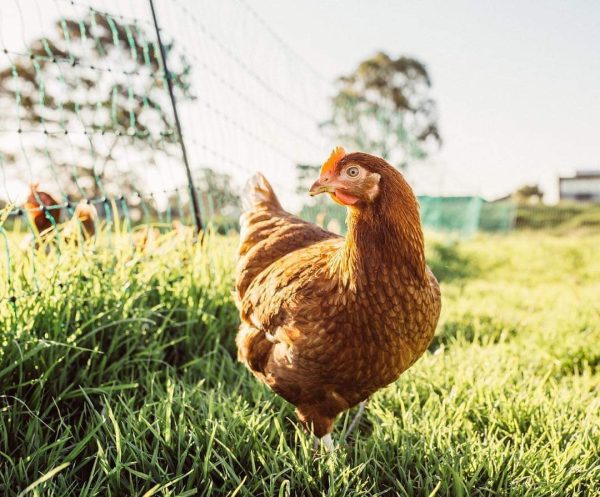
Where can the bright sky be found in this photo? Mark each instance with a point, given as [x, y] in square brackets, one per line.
[517, 82]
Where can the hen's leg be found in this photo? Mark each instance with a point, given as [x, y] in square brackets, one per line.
[327, 443]
[355, 421]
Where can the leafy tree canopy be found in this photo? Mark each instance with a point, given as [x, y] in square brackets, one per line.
[385, 107]
[87, 98]
[529, 194]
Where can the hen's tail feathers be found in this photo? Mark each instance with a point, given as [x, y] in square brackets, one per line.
[258, 193]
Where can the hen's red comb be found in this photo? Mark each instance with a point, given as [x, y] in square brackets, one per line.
[337, 155]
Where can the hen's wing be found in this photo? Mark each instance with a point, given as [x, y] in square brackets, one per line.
[294, 288]
[285, 314]
[268, 232]
[279, 254]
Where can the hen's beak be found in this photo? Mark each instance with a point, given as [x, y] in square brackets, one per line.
[319, 187]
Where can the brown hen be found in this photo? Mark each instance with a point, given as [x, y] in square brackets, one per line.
[43, 209]
[326, 320]
[82, 225]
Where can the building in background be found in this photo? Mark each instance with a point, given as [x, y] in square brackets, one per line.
[583, 187]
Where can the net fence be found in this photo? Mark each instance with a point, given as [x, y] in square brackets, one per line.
[88, 137]
[459, 215]
[91, 154]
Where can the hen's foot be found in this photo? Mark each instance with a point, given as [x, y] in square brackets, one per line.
[327, 443]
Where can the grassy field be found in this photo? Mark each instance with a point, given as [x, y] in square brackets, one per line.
[119, 378]
[563, 218]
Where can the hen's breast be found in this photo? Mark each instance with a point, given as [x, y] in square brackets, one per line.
[375, 335]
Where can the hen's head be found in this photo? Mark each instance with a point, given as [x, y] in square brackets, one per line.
[360, 180]
[383, 210]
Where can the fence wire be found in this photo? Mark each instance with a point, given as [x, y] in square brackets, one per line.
[89, 151]
[90, 155]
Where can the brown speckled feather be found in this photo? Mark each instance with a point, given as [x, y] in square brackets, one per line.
[268, 232]
[327, 321]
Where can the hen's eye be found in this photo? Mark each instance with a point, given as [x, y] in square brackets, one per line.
[353, 171]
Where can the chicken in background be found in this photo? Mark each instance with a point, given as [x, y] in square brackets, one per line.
[150, 238]
[83, 222]
[36, 206]
[327, 321]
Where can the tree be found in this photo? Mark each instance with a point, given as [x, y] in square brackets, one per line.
[218, 187]
[528, 194]
[306, 175]
[219, 200]
[384, 107]
[91, 97]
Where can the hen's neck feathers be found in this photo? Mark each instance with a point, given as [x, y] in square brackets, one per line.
[386, 234]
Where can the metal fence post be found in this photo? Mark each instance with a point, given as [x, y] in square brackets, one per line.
[163, 54]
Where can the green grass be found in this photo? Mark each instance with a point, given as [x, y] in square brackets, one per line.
[565, 217]
[120, 378]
